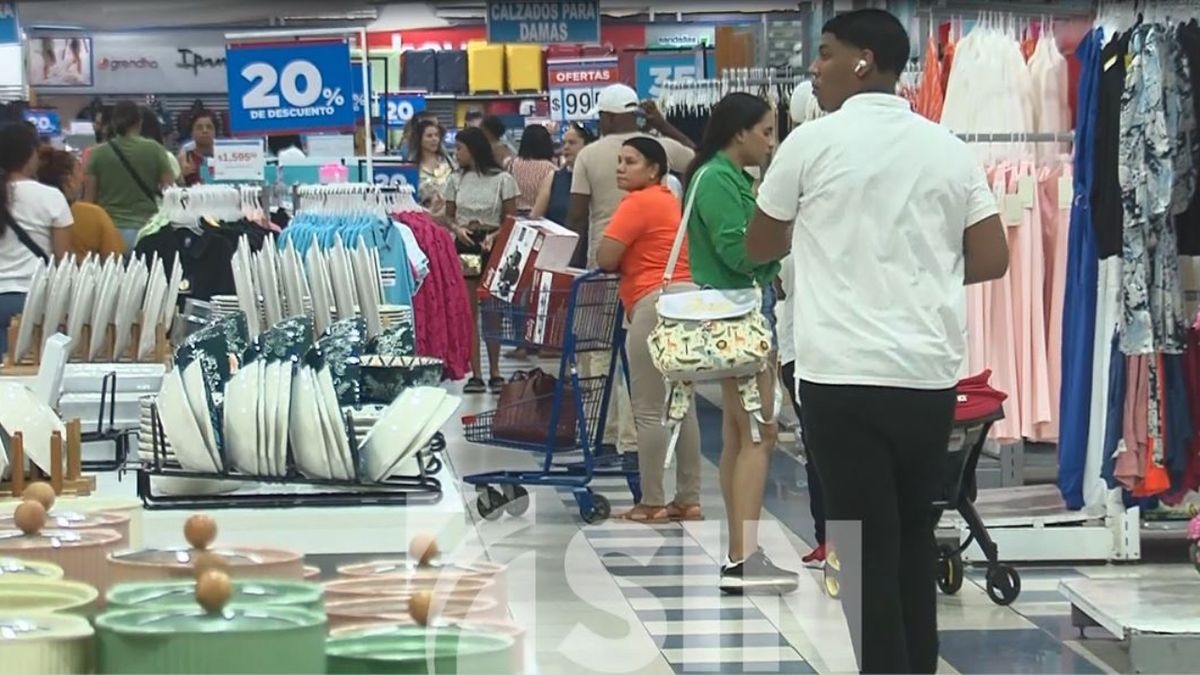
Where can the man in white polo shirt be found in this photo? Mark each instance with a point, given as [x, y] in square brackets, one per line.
[886, 215]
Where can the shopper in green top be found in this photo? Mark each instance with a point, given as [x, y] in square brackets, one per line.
[740, 134]
[125, 175]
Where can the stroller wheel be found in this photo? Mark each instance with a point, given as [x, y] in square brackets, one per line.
[950, 570]
[1003, 585]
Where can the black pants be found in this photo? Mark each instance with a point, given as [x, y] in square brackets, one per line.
[881, 453]
[816, 496]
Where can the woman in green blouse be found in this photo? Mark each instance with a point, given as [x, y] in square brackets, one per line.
[740, 134]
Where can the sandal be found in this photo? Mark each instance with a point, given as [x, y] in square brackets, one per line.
[647, 515]
[474, 386]
[684, 512]
[496, 384]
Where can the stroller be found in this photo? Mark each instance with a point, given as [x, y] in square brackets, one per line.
[979, 407]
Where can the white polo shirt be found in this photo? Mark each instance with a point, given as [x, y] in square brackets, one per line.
[881, 198]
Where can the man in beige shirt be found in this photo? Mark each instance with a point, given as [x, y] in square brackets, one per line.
[595, 197]
[594, 192]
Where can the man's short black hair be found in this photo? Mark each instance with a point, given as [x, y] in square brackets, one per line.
[876, 30]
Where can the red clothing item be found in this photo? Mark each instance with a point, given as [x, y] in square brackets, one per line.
[442, 314]
[931, 96]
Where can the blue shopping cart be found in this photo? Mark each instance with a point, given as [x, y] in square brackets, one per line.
[566, 422]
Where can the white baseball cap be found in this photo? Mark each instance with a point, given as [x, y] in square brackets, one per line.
[616, 99]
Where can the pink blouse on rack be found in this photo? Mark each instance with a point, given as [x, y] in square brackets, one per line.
[444, 326]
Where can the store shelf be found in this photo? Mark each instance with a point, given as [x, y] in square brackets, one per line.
[484, 97]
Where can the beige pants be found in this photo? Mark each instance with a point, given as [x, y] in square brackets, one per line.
[649, 392]
[618, 427]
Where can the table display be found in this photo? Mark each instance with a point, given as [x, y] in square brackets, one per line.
[48, 644]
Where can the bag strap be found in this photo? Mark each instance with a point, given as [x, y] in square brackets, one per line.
[150, 194]
[24, 237]
[677, 248]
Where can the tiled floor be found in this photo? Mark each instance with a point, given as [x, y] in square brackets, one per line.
[622, 598]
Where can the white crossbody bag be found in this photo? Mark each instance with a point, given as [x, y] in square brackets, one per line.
[709, 334]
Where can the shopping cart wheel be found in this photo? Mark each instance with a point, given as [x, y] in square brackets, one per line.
[950, 570]
[600, 509]
[1003, 585]
[490, 503]
[517, 500]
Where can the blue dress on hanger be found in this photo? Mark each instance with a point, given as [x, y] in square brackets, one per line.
[1079, 313]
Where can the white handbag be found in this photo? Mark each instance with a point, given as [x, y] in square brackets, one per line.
[709, 334]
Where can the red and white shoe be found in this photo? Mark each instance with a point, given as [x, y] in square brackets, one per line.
[816, 559]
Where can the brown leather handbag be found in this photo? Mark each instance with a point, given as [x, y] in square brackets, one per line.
[525, 406]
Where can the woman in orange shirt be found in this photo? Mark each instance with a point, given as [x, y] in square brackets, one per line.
[94, 231]
[637, 243]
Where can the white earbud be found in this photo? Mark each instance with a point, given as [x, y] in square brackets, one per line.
[860, 66]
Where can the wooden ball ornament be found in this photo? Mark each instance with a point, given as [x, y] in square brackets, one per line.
[42, 492]
[213, 590]
[205, 561]
[30, 516]
[423, 549]
[200, 531]
[420, 607]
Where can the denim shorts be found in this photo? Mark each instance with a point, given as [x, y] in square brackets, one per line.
[768, 310]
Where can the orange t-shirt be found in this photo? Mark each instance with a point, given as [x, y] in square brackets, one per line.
[646, 222]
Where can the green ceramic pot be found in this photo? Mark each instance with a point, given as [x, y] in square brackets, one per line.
[247, 594]
[15, 568]
[411, 650]
[50, 644]
[265, 639]
[23, 594]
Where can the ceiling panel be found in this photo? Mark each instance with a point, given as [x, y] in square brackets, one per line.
[110, 15]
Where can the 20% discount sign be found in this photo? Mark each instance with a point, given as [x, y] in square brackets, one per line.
[289, 88]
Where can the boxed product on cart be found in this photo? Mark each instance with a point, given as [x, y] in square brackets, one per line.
[549, 300]
[521, 247]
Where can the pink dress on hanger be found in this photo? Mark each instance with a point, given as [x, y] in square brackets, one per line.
[444, 327]
[1056, 227]
[1026, 272]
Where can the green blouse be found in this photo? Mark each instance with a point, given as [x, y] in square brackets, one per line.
[723, 206]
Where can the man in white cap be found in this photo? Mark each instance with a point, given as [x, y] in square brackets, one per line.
[595, 197]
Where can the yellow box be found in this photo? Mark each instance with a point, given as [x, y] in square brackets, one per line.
[485, 67]
[526, 67]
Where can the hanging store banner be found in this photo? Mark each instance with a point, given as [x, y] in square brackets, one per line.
[614, 36]
[401, 107]
[654, 69]
[575, 84]
[290, 87]
[160, 63]
[239, 159]
[552, 22]
[10, 30]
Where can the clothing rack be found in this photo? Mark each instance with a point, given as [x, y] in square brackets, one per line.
[223, 202]
[354, 197]
[1065, 137]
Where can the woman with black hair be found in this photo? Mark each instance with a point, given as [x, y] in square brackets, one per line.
[533, 164]
[638, 243]
[495, 129]
[429, 154]
[203, 144]
[35, 220]
[125, 175]
[554, 196]
[740, 134]
[152, 128]
[479, 196]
